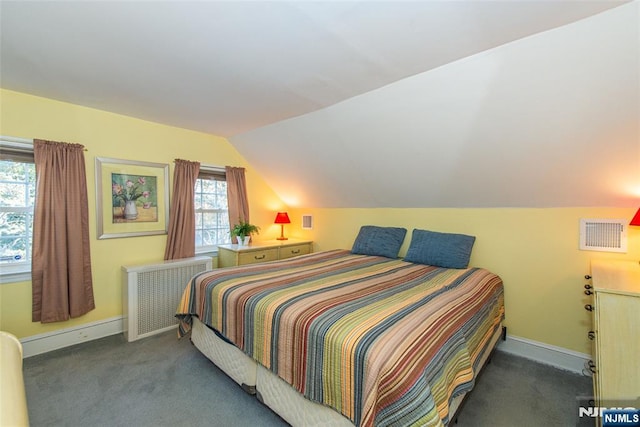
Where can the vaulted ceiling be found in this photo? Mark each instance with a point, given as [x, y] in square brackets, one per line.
[364, 104]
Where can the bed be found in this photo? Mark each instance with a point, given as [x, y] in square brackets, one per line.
[346, 338]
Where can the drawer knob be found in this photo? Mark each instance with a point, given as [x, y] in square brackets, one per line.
[589, 307]
[588, 292]
[260, 257]
[587, 286]
[589, 368]
[295, 252]
[591, 335]
[586, 276]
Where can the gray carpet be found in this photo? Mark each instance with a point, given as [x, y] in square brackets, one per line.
[163, 381]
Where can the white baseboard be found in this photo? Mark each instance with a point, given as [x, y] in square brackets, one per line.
[558, 357]
[547, 354]
[42, 343]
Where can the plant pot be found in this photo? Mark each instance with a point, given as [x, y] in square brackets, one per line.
[244, 241]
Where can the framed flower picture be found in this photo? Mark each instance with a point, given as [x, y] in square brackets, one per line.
[132, 198]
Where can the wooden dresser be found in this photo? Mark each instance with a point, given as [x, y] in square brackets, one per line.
[232, 255]
[616, 315]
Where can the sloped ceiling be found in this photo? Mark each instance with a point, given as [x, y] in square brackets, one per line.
[364, 104]
[551, 120]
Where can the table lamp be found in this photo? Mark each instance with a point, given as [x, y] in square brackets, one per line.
[636, 220]
[282, 218]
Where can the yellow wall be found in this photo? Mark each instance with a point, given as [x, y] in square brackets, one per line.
[535, 251]
[110, 135]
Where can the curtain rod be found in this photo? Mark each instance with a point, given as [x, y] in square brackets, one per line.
[206, 166]
[12, 141]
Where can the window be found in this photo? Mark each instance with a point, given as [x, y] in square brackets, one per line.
[212, 210]
[17, 195]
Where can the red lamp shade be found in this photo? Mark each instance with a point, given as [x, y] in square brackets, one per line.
[636, 219]
[282, 218]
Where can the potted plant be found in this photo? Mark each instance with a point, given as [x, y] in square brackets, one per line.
[243, 231]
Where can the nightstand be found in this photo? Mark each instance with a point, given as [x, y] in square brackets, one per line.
[233, 255]
[616, 308]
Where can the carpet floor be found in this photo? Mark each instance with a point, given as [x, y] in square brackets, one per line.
[163, 381]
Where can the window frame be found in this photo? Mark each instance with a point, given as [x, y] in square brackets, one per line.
[216, 173]
[19, 272]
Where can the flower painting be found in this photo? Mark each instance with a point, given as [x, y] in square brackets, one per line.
[134, 198]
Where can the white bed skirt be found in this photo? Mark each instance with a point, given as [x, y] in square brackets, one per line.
[274, 392]
[229, 358]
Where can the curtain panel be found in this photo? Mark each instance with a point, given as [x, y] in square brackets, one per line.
[237, 195]
[181, 240]
[62, 285]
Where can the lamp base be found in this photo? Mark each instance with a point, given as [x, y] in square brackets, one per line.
[282, 233]
[282, 238]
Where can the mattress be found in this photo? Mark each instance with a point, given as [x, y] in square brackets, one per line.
[380, 340]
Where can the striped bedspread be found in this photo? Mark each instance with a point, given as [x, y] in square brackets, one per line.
[384, 342]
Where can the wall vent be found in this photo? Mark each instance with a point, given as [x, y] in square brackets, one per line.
[604, 235]
[307, 222]
[151, 294]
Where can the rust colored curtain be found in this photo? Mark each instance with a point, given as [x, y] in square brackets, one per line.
[181, 241]
[61, 263]
[237, 195]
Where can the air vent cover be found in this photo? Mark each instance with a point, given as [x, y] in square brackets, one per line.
[307, 222]
[604, 235]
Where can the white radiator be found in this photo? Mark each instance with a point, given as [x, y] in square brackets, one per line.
[151, 294]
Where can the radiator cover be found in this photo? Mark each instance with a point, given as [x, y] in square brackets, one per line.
[151, 293]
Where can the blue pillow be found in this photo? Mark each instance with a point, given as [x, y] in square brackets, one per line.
[379, 241]
[440, 249]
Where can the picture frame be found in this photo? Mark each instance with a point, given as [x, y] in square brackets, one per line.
[132, 198]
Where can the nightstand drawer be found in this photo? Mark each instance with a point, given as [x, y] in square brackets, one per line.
[295, 250]
[252, 257]
[233, 255]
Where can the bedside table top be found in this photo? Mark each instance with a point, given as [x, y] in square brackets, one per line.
[264, 244]
[616, 276]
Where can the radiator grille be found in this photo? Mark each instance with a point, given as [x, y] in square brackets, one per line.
[605, 235]
[159, 293]
[153, 292]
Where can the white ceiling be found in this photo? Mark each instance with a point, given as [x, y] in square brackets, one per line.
[226, 67]
[420, 93]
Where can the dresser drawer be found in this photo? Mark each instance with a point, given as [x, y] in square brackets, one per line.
[252, 257]
[295, 250]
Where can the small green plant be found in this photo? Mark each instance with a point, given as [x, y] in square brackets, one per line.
[243, 229]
